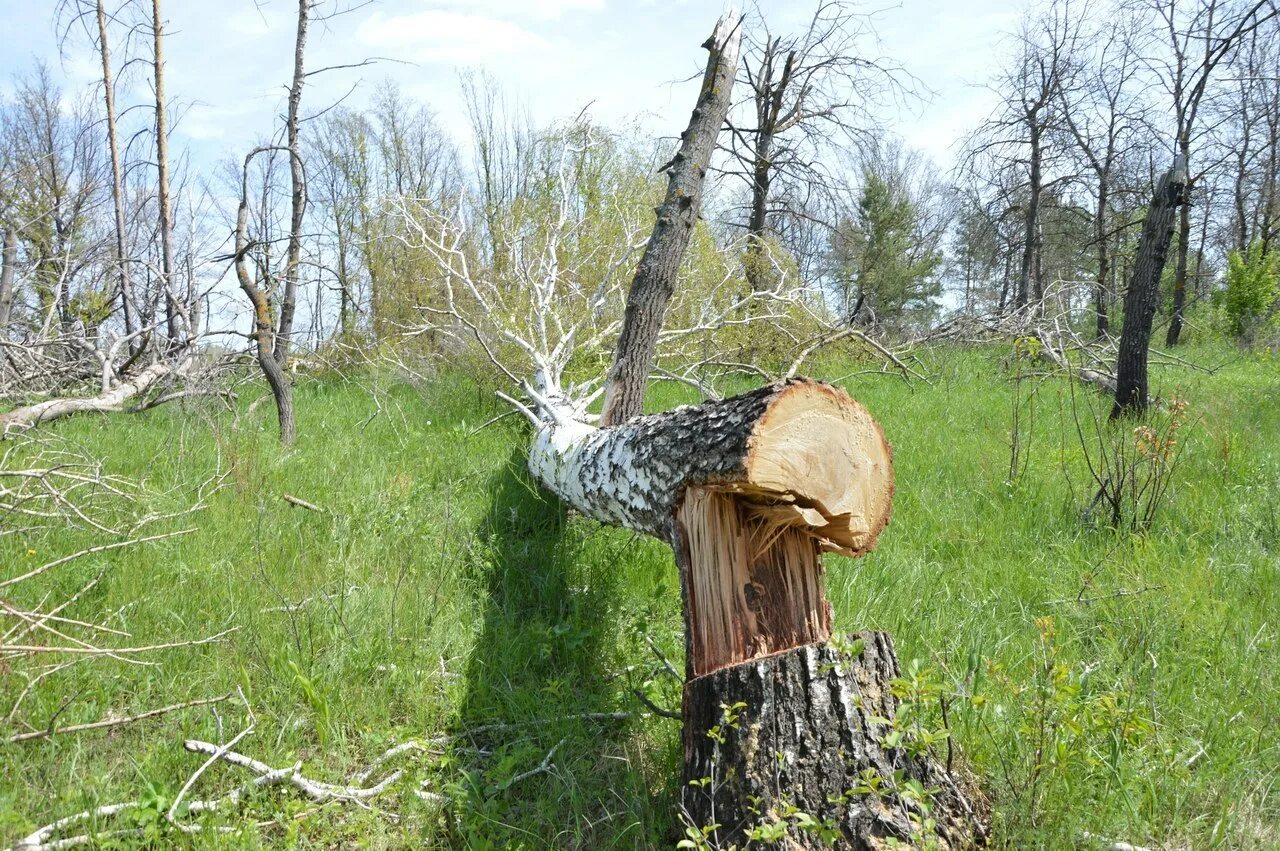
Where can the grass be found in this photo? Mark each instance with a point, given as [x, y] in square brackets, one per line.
[1102, 684]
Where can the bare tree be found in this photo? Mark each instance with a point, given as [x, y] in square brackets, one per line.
[803, 93]
[1191, 38]
[1098, 109]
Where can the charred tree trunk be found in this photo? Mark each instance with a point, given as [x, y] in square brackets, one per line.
[655, 278]
[1031, 224]
[1103, 321]
[1144, 291]
[813, 704]
[1174, 334]
[750, 491]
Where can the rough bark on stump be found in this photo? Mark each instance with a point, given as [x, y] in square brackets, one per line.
[749, 492]
[811, 726]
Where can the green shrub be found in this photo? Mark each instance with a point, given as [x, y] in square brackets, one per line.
[1253, 285]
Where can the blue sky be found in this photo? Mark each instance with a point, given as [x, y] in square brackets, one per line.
[229, 60]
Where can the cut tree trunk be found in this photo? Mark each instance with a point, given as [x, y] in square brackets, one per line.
[749, 491]
[812, 726]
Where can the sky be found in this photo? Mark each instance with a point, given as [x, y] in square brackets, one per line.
[626, 60]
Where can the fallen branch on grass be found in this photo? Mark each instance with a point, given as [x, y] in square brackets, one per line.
[302, 503]
[114, 722]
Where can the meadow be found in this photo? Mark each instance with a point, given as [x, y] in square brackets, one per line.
[1105, 685]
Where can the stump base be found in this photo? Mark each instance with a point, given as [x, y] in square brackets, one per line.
[810, 729]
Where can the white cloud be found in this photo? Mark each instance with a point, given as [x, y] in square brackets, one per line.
[440, 36]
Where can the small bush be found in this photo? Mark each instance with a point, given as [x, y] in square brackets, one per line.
[1253, 286]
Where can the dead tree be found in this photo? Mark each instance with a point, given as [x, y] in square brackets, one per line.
[1097, 108]
[802, 94]
[165, 225]
[655, 278]
[749, 492]
[117, 174]
[1199, 35]
[1144, 291]
[271, 333]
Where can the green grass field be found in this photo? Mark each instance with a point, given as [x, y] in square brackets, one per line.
[1104, 685]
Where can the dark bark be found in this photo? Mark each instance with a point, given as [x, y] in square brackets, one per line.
[655, 277]
[263, 328]
[1101, 244]
[1144, 291]
[1174, 334]
[1031, 227]
[827, 714]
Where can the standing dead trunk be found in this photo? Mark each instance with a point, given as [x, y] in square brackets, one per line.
[1101, 245]
[750, 491]
[1181, 265]
[1031, 224]
[117, 179]
[263, 328]
[655, 278]
[297, 194]
[8, 269]
[1144, 291]
[172, 317]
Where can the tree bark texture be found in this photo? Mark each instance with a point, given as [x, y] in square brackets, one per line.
[1181, 266]
[810, 733]
[800, 447]
[749, 491]
[655, 277]
[1144, 291]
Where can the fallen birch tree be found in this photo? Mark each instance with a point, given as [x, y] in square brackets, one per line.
[748, 491]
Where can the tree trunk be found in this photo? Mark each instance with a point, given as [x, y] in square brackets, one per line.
[298, 192]
[1031, 223]
[117, 179]
[1101, 246]
[655, 277]
[162, 188]
[1144, 291]
[8, 269]
[814, 704]
[1174, 334]
[750, 491]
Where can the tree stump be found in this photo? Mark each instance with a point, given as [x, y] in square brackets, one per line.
[750, 491]
[806, 738]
